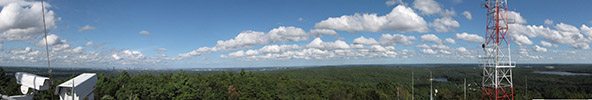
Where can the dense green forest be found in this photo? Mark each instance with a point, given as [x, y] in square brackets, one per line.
[329, 82]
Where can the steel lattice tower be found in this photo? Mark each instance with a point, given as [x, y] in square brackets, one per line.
[496, 60]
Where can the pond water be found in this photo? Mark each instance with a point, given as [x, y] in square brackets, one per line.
[441, 79]
[560, 73]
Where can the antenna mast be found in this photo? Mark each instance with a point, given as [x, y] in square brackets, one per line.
[47, 50]
[496, 60]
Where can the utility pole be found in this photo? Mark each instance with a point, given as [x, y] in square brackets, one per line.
[526, 87]
[465, 85]
[412, 87]
[431, 90]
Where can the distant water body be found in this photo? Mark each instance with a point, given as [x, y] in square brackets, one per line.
[560, 73]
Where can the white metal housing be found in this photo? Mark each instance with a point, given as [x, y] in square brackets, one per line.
[33, 81]
[84, 85]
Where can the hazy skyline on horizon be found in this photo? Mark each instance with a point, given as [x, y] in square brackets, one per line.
[196, 34]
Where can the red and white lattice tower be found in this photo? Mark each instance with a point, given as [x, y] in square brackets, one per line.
[496, 60]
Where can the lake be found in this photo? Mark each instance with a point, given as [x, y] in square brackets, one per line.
[560, 73]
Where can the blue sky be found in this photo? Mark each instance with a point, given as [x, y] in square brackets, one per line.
[188, 34]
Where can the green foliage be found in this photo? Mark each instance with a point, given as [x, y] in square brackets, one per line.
[8, 84]
[3, 81]
[335, 83]
[3, 77]
[230, 85]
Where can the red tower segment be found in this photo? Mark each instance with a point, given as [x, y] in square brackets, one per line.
[496, 60]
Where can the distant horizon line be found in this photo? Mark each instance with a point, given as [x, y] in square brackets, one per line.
[282, 66]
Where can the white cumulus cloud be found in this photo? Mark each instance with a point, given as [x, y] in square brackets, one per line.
[20, 51]
[425, 46]
[463, 50]
[431, 38]
[521, 40]
[401, 18]
[316, 49]
[580, 46]
[283, 34]
[537, 48]
[364, 40]
[144, 32]
[89, 43]
[319, 32]
[248, 39]
[547, 44]
[393, 2]
[161, 49]
[445, 24]
[429, 51]
[586, 30]
[388, 39]
[85, 28]
[548, 22]
[200, 51]
[467, 15]
[22, 20]
[469, 37]
[52, 39]
[449, 41]
[78, 49]
[427, 6]
[129, 54]
[562, 34]
[555, 36]
[319, 44]
[516, 18]
[277, 48]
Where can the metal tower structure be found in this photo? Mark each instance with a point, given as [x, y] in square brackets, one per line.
[496, 60]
